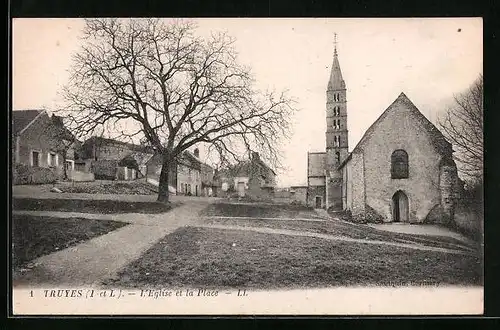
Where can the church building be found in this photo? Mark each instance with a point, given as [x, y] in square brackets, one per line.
[402, 169]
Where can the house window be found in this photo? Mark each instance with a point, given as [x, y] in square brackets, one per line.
[52, 159]
[35, 158]
[69, 165]
[399, 164]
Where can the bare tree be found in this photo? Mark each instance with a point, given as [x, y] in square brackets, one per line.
[63, 141]
[463, 126]
[158, 81]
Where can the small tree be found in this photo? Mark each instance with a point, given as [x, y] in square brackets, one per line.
[63, 141]
[463, 126]
[158, 81]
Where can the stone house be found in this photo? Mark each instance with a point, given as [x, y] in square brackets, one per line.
[184, 175]
[207, 176]
[41, 147]
[402, 169]
[253, 178]
[112, 159]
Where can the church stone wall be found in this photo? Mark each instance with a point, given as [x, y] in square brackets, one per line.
[401, 130]
[346, 187]
[447, 184]
[357, 170]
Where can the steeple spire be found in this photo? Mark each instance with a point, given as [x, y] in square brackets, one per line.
[336, 81]
[335, 44]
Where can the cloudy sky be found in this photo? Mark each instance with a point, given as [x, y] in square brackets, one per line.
[429, 60]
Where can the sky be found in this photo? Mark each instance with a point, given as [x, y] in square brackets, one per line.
[428, 59]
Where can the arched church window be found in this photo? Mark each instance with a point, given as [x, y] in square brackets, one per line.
[399, 164]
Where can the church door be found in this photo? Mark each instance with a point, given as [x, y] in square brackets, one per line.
[400, 207]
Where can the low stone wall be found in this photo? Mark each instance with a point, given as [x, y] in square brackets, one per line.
[79, 176]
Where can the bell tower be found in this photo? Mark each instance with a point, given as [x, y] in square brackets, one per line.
[336, 132]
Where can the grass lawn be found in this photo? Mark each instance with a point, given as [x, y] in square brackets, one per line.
[33, 237]
[206, 257]
[89, 206]
[339, 228]
[259, 210]
[136, 187]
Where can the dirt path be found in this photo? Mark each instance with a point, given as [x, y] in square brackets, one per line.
[336, 238]
[102, 257]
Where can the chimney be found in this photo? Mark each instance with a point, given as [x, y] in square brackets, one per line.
[197, 152]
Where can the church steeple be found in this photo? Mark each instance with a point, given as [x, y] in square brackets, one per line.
[336, 132]
[336, 113]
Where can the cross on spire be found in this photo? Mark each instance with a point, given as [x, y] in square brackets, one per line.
[335, 43]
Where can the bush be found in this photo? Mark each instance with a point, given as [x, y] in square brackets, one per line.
[25, 174]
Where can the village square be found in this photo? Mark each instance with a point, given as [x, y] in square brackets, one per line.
[163, 171]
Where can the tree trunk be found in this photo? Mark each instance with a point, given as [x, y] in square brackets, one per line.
[163, 194]
[65, 172]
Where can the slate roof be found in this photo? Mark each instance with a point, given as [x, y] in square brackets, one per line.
[185, 158]
[21, 119]
[101, 141]
[437, 138]
[64, 132]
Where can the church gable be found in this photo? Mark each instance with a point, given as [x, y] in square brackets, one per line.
[402, 106]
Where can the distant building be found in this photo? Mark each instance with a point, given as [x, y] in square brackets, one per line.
[112, 159]
[42, 147]
[402, 170]
[207, 176]
[253, 178]
[184, 175]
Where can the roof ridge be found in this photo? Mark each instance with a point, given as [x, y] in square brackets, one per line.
[402, 98]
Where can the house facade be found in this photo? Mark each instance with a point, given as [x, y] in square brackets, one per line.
[42, 148]
[402, 169]
[251, 178]
[184, 176]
